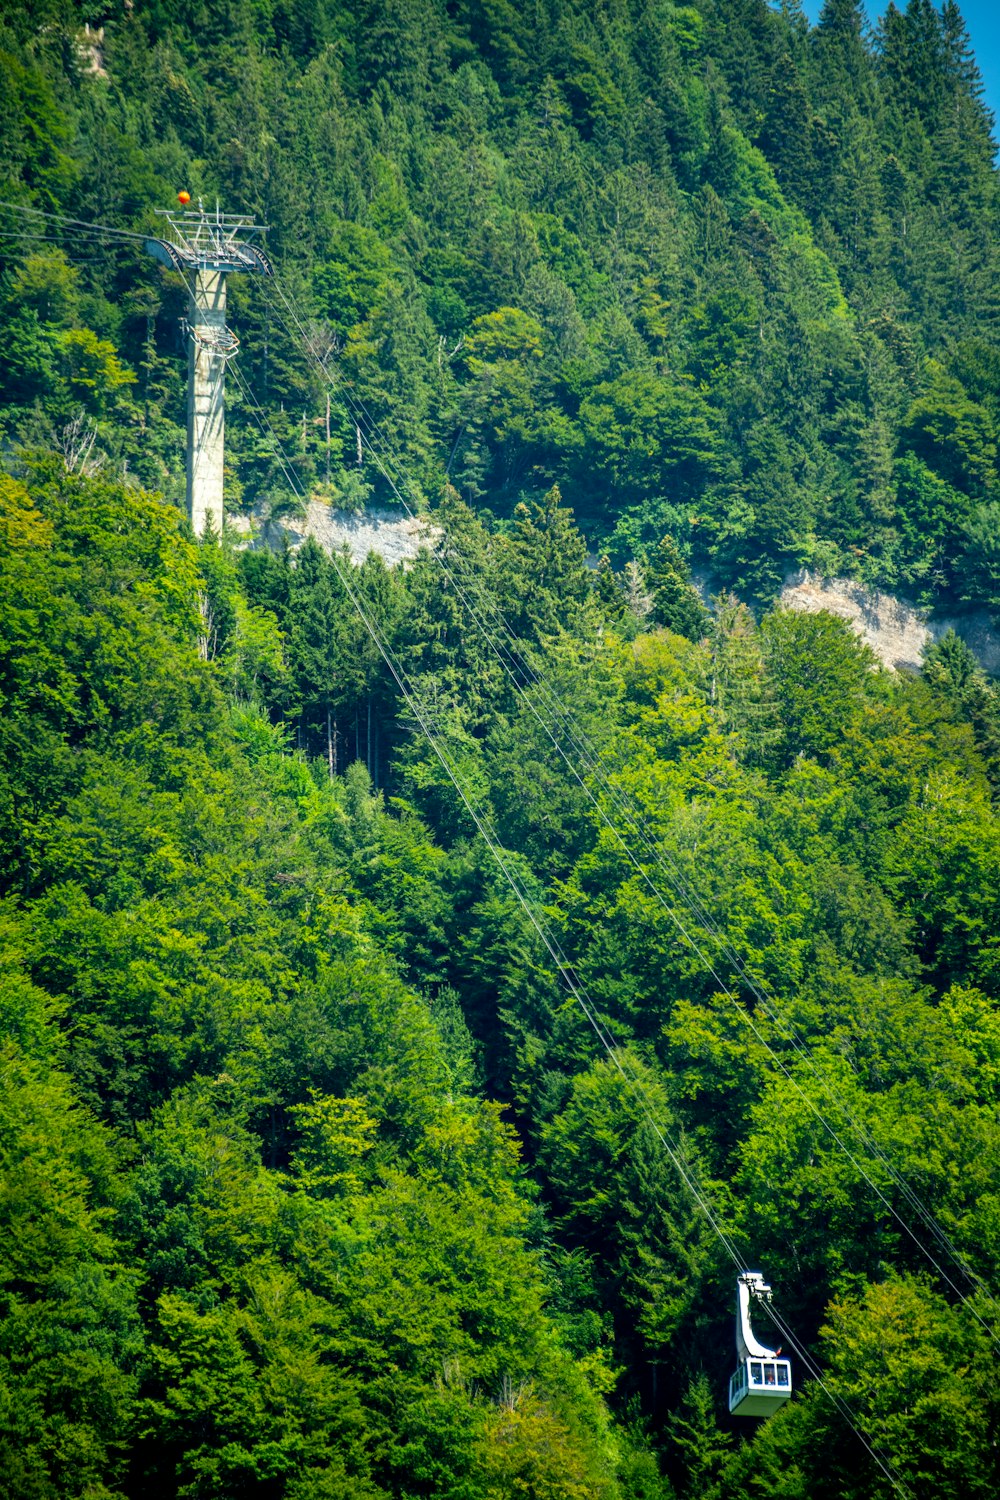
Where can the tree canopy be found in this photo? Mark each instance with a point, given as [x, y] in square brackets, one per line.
[315, 1180]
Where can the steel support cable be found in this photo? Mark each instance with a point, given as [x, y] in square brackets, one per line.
[98, 230]
[867, 1139]
[797, 1044]
[43, 236]
[569, 979]
[11, 258]
[489, 836]
[694, 906]
[690, 898]
[839, 1402]
[108, 230]
[519, 663]
[566, 972]
[492, 840]
[52, 218]
[682, 890]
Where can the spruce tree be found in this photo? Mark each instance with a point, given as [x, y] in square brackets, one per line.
[676, 604]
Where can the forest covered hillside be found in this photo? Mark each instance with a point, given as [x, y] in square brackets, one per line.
[712, 272]
[421, 987]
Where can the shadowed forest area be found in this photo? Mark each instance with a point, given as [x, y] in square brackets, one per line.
[315, 1181]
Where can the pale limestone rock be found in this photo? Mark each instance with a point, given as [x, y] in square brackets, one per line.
[897, 632]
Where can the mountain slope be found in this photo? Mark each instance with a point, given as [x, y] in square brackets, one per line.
[712, 272]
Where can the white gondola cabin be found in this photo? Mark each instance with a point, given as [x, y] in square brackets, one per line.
[763, 1380]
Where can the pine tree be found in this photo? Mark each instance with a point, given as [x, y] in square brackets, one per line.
[739, 688]
[695, 1436]
[963, 142]
[847, 113]
[953, 672]
[676, 603]
[609, 592]
[786, 135]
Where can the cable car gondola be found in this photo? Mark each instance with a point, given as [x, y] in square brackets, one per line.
[763, 1380]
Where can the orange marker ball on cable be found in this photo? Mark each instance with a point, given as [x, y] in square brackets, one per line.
[183, 197]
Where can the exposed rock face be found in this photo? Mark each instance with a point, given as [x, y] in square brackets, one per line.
[895, 631]
[396, 538]
[90, 50]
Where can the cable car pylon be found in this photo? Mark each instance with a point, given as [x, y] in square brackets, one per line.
[205, 248]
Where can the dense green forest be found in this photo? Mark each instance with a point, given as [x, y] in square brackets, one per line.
[315, 1181]
[713, 273]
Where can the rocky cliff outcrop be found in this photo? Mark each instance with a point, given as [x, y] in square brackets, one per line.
[896, 631]
[396, 538]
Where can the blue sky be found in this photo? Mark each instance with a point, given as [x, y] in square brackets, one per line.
[982, 17]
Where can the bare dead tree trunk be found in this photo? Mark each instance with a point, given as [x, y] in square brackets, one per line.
[329, 743]
[206, 632]
[76, 442]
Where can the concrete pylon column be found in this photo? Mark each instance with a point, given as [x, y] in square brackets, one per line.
[206, 412]
[204, 248]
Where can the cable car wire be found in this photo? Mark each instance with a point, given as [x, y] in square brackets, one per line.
[695, 907]
[691, 898]
[29, 211]
[491, 837]
[551, 944]
[94, 232]
[591, 758]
